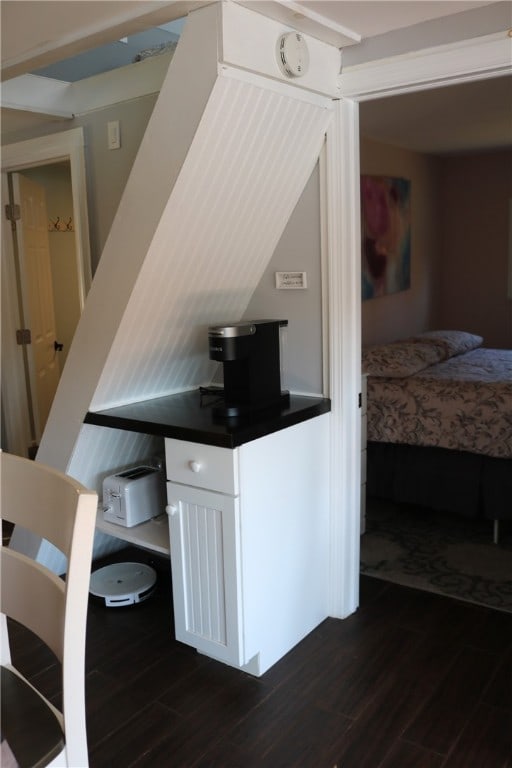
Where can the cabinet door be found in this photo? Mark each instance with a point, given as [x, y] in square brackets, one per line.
[204, 534]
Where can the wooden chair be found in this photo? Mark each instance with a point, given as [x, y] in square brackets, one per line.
[61, 510]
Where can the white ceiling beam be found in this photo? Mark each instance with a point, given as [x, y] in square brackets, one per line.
[86, 25]
[469, 60]
[305, 20]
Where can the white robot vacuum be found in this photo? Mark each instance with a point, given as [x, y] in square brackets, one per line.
[122, 584]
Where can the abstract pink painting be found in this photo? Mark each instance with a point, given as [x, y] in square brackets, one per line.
[386, 235]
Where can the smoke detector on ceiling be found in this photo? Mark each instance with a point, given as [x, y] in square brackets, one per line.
[293, 54]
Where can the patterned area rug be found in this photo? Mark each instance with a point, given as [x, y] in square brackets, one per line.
[439, 553]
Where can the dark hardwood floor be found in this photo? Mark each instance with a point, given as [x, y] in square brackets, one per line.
[411, 680]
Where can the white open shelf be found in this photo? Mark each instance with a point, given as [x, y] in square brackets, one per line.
[154, 534]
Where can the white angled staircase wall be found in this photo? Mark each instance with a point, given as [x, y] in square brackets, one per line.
[186, 250]
[246, 168]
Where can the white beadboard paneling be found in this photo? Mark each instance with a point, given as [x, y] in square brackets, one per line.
[101, 451]
[105, 545]
[55, 561]
[250, 159]
[205, 600]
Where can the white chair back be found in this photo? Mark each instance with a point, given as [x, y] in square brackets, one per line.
[61, 510]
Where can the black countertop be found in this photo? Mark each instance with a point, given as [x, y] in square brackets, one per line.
[191, 416]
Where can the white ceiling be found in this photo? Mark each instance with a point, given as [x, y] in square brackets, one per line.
[470, 117]
[36, 33]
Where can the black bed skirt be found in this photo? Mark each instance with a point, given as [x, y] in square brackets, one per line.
[454, 481]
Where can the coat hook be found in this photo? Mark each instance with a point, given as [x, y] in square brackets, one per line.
[61, 226]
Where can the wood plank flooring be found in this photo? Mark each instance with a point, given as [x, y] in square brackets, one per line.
[411, 680]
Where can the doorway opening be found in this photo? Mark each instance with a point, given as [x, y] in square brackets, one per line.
[46, 274]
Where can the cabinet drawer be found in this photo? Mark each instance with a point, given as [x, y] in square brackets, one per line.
[202, 466]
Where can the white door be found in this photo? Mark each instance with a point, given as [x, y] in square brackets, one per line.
[37, 297]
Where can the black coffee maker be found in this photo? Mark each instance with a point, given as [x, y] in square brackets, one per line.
[250, 353]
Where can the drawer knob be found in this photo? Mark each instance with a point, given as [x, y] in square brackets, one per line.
[195, 466]
[171, 509]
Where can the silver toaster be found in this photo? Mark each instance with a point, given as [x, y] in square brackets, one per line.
[133, 496]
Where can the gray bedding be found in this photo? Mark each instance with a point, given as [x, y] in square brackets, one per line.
[461, 402]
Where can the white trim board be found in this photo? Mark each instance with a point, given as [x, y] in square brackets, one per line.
[425, 69]
[479, 58]
[305, 20]
[341, 194]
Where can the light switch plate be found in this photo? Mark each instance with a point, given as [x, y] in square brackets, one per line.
[291, 280]
[114, 135]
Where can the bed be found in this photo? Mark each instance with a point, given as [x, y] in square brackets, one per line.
[439, 425]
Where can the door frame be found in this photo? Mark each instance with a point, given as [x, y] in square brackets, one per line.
[45, 150]
[479, 58]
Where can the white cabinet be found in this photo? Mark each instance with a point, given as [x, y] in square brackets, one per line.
[204, 530]
[249, 533]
